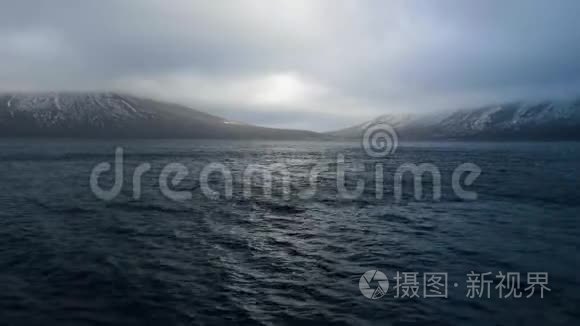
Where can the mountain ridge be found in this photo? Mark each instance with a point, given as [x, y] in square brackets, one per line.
[118, 115]
[539, 120]
[113, 115]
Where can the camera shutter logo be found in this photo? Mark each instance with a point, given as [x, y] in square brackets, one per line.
[373, 284]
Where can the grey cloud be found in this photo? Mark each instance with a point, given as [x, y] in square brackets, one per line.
[362, 58]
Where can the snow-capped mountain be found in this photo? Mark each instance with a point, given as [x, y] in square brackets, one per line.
[118, 115]
[549, 120]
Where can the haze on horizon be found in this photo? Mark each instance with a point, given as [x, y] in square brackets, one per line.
[317, 65]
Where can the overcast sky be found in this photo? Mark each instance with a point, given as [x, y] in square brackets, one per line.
[299, 63]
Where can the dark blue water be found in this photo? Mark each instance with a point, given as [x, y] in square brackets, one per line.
[69, 258]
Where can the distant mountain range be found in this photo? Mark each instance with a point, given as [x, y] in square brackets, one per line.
[112, 115]
[548, 120]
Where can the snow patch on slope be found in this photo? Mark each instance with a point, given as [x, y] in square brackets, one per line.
[49, 109]
[485, 118]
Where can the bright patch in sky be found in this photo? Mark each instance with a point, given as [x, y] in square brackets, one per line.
[281, 89]
[289, 63]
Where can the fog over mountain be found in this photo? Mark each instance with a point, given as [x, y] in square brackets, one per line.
[112, 115]
[304, 64]
[545, 120]
[115, 115]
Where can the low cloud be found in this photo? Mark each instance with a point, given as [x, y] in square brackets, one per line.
[302, 64]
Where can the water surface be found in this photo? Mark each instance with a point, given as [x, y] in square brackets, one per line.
[67, 257]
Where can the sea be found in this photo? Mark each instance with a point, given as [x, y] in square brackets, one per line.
[210, 232]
